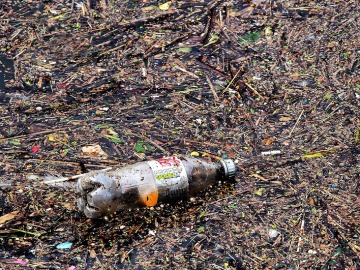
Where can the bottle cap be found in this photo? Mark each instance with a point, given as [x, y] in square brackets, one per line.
[229, 167]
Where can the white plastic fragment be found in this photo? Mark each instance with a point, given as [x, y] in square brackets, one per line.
[273, 233]
[33, 177]
[65, 245]
[271, 153]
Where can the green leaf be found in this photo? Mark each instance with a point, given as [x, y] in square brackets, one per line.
[357, 134]
[143, 147]
[213, 39]
[338, 251]
[194, 154]
[114, 139]
[184, 49]
[15, 142]
[112, 132]
[103, 126]
[268, 31]
[328, 96]
[260, 191]
[250, 38]
[201, 229]
[313, 155]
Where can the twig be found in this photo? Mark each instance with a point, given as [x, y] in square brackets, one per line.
[148, 140]
[32, 134]
[331, 114]
[63, 179]
[253, 89]
[212, 88]
[232, 80]
[186, 71]
[26, 232]
[297, 121]
[301, 232]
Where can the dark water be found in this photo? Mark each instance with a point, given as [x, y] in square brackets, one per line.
[6, 71]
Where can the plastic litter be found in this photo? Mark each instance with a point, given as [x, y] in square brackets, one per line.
[147, 183]
[64, 245]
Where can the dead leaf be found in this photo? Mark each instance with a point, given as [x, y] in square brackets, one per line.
[242, 13]
[110, 252]
[149, 8]
[268, 141]
[8, 217]
[285, 119]
[92, 253]
[295, 76]
[165, 6]
[258, 176]
[311, 201]
[124, 255]
[69, 206]
[94, 151]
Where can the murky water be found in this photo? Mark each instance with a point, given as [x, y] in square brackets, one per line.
[6, 71]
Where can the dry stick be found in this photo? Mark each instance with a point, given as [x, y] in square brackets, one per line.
[148, 140]
[253, 89]
[210, 155]
[64, 162]
[301, 232]
[121, 27]
[63, 179]
[331, 114]
[352, 246]
[297, 121]
[186, 71]
[32, 134]
[208, 67]
[245, 83]
[194, 141]
[213, 90]
[232, 80]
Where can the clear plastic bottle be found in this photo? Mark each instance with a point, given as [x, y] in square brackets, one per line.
[147, 183]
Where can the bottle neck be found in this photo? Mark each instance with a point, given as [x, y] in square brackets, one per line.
[202, 174]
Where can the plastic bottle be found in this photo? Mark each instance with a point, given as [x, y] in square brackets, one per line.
[147, 183]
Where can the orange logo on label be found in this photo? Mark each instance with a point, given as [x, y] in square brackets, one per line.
[150, 199]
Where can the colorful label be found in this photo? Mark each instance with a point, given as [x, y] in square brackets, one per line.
[170, 176]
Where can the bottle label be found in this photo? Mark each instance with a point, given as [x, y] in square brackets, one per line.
[170, 176]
